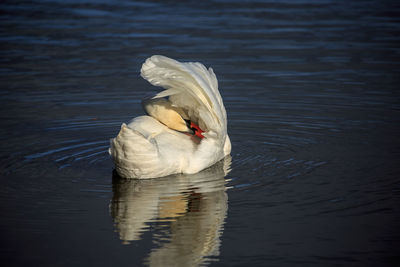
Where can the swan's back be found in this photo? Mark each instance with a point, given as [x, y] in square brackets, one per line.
[145, 148]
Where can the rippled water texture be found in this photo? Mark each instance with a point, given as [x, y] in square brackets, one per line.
[311, 92]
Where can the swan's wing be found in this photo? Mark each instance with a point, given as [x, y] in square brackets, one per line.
[189, 86]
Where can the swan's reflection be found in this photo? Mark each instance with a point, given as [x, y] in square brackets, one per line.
[194, 206]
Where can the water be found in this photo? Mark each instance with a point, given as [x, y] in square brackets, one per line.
[311, 93]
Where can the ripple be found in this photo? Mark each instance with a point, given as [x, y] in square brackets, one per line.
[266, 168]
[69, 152]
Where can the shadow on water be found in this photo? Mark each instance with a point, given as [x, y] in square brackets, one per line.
[188, 213]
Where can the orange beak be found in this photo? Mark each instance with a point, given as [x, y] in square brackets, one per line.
[197, 131]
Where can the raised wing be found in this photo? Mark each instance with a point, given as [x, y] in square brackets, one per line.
[191, 87]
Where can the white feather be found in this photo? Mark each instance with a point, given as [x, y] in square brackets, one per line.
[147, 148]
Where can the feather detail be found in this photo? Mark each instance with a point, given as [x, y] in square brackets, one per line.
[168, 92]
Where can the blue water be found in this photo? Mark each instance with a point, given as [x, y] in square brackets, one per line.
[311, 93]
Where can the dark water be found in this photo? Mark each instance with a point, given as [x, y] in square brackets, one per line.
[312, 96]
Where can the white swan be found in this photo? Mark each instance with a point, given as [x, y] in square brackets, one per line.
[185, 130]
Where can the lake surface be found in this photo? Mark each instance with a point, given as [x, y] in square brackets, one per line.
[313, 103]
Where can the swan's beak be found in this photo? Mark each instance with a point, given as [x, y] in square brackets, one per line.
[195, 129]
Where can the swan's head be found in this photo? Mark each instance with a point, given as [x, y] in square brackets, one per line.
[173, 117]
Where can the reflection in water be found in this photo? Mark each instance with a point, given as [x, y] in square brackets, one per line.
[193, 206]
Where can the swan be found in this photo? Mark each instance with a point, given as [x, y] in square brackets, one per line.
[185, 129]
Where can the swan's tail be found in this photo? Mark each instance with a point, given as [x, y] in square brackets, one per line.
[133, 154]
[189, 86]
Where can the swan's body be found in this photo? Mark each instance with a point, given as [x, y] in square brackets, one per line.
[164, 142]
